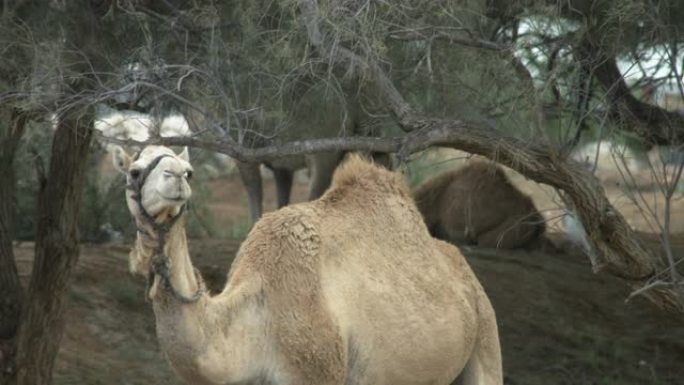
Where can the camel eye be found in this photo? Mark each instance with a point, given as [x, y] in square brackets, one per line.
[188, 174]
[135, 173]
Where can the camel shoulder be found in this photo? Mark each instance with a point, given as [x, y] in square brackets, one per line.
[283, 250]
[286, 236]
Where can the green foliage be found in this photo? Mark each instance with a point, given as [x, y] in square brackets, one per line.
[200, 220]
[104, 215]
[464, 83]
[240, 229]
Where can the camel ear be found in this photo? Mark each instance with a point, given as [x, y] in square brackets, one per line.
[121, 159]
[185, 155]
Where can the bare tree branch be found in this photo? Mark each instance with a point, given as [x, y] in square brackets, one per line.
[464, 38]
[619, 251]
[652, 123]
[226, 145]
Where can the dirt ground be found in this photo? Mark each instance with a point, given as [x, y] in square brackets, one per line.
[559, 323]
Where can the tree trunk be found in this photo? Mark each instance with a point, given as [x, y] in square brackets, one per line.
[10, 288]
[56, 251]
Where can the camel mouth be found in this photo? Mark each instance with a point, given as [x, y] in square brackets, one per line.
[178, 199]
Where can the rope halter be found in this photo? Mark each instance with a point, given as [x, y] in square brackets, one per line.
[160, 261]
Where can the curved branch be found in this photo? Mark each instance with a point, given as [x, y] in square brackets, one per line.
[652, 123]
[618, 250]
[227, 146]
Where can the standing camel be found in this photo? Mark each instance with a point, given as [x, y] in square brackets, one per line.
[347, 289]
[321, 167]
[313, 115]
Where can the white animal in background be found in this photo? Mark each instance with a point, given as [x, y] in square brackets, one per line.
[126, 124]
[136, 125]
[575, 232]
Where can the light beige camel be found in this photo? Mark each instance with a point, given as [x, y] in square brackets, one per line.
[346, 289]
[477, 204]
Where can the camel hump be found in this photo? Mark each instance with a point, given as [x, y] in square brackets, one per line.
[357, 173]
[475, 172]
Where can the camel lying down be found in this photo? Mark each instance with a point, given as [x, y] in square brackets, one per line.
[346, 289]
[477, 204]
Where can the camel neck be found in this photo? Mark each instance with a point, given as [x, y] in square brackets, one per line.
[181, 273]
[194, 336]
[179, 329]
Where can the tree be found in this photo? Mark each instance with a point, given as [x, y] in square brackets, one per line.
[32, 324]
[10, 289]
[12, 128]
[56, 252]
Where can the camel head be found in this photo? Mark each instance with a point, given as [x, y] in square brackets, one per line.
[156, 179]
[164, 177]
[157, 190]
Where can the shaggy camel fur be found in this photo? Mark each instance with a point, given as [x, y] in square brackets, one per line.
[477, 204]
[347, 289]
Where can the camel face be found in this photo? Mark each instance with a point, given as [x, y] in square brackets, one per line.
[165, 187]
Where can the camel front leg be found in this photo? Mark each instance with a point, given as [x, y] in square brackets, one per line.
[383, 159]
[283, 178]
[251, 179]
[322, 168]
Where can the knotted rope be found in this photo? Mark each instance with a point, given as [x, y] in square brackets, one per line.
[160, 261]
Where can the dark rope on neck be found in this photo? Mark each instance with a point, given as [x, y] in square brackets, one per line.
[160, 261]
